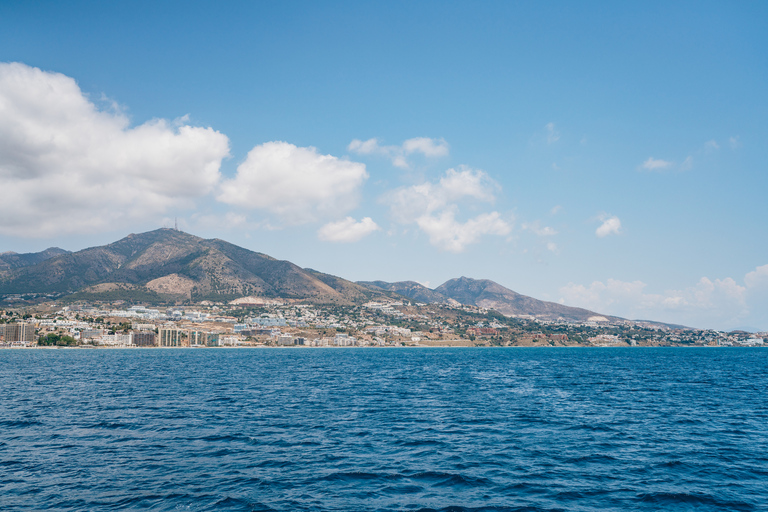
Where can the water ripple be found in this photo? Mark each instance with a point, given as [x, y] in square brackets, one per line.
[449, 430]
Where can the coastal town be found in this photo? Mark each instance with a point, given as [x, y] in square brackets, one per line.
[258, 322]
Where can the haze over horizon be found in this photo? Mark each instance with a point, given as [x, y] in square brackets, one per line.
[605, 156]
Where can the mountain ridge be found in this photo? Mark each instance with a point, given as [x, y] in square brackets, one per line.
[491, 295]
[10, 260]
[170, 265]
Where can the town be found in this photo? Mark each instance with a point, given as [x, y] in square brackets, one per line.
[258, 322]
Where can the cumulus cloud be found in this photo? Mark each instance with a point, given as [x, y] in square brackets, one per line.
[611, 225]
[432, 206]
[296, 184]
[67, 166]
[539, 230]
[655, 164]
[711, 303]
[446, 233]
[347, 230]
[430, 148]
[758, 278]
[552, 134]
[409, 203]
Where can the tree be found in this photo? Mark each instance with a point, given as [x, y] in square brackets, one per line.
[56, 339]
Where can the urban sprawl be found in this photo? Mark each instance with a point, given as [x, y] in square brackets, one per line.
[252, 322]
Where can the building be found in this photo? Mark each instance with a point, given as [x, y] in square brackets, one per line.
[91, 334]
[172, 338]
[198, 338]
[19, 333]
[116, 339]
[144, 339]
[285, 339]
[482, 331]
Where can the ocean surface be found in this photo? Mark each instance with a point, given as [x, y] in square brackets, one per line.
[293, 429]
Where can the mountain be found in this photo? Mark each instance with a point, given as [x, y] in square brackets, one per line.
[411, 289]
[12, 260]
[170, 264]
[167, 264]
[487, 294]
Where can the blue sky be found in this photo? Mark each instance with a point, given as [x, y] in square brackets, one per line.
[610, 155]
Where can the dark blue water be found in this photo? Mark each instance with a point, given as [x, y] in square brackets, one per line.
[384, 429]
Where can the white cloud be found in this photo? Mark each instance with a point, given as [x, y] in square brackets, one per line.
[68, 167]
[552, 247]
[552, 134]
[433, 207]
[218, 222]
[687, 164]
[611, 226]
[719, 303]
[654, 164]
[711, 303]
[296, 184]
[430, 148]
[450, 235]
[602, 297]
[758, 278]
[347, 230]
[555, 210]
[711, 145]
[538, 229]
[409, 203]
[734, 142]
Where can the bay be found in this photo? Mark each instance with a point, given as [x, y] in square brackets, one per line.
[384, 429]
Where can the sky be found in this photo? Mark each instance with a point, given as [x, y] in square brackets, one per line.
[607, 155]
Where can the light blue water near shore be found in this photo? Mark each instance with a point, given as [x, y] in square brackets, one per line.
[384, 429]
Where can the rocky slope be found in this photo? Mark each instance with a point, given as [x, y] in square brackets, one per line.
[171, 264]
[11, 260]
[167, 264]
[411, 289]
[487, 294]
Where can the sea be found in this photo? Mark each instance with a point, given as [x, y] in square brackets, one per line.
[384, 429]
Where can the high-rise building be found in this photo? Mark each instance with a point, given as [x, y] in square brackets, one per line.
[172, 338]
[198, 338]
[144, 339]
[19, 333]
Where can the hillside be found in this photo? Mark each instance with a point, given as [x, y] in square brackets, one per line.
[11, 260]
[170, 264]
[487, 294]
[411, 289]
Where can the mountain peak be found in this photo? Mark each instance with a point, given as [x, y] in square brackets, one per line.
[166, 263]
[487, 294]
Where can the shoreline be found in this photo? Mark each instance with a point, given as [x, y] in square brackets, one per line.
[262, 347]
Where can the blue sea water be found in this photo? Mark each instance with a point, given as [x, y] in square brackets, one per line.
[384, 429]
